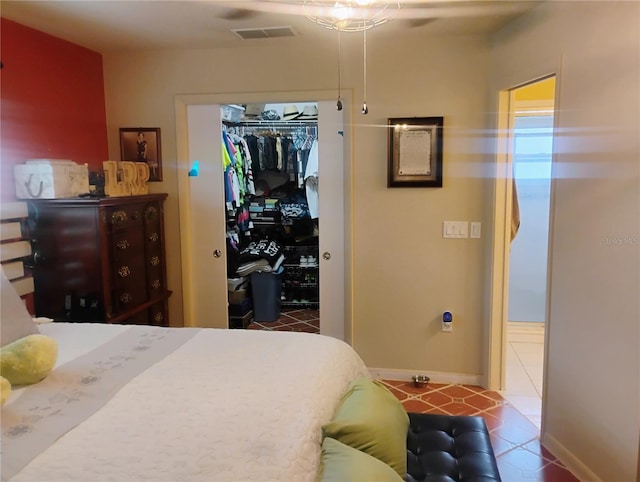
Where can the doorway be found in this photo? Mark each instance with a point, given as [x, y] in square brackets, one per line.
[272, 217]
[531, 119]
[198, 119]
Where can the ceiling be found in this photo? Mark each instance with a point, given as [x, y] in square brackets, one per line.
[123, 25]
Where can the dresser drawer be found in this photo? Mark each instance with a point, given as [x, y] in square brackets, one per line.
[152, 214]
[158, 314]
[155, 281]
[127, 244]
[140, 318]
[124, 216]
[129, 285]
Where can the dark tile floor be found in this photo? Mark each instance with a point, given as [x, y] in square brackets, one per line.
[516, 441]
[292, 319]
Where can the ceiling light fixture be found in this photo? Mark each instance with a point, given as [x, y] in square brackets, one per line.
[351, 16]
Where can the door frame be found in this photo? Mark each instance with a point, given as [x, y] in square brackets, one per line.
[495, 371]
[182, 102]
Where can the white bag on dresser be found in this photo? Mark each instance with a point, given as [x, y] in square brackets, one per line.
[50, 179]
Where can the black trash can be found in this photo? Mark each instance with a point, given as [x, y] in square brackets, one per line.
[266, 289]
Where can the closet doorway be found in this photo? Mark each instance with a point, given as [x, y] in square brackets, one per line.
[202, 207]
[271, 160]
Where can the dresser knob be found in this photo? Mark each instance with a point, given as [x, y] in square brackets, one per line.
[158, 317]
[153, 237]
[124, 244]
[154, 261]
[124, 271]
[126, 297]
[156, 284]
[118, 217]
[38, 257]
[151, 213]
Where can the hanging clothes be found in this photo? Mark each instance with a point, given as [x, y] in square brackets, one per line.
[311, 180]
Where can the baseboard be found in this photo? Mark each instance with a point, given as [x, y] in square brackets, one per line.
[525, 332]
[568, 459]
[436, 377]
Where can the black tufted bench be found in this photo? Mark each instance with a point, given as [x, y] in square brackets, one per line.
[446, 448]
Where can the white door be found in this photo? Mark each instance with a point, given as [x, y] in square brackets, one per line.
[331, 217]
[206, 223]
[204, 274]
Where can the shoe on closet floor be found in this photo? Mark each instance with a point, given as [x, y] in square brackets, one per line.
[304, 261]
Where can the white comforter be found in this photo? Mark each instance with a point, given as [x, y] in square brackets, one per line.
[228, 405]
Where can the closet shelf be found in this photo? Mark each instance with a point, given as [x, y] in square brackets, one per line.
[273, 123]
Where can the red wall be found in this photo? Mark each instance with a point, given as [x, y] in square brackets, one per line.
[52, 102]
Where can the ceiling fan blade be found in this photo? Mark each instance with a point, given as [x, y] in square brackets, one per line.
[237, 14]
[418, 22]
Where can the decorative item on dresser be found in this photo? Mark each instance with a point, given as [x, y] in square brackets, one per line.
[100, 259]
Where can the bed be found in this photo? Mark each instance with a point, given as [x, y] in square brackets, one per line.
[129, 403]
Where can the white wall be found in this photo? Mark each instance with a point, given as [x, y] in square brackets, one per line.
[404, 274]
[592, 379]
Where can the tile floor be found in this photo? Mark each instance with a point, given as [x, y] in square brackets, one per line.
[512, 416]
[292, 319]
[516, 442]
[525, 354]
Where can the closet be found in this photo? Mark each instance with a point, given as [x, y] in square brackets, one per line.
[270, 161]
[204, 215]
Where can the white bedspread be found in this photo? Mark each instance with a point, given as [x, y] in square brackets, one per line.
[228, 405]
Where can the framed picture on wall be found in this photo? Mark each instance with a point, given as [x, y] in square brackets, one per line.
[142, 144]
[415, 151]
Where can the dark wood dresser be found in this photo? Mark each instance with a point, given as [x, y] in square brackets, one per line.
[100, 259]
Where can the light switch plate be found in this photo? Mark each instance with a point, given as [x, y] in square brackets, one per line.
[455, 229]
[476, 229]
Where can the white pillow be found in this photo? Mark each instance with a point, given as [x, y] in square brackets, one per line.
[15, 320]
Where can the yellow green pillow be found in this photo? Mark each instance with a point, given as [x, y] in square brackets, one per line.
[341, 463]
[5, 390]
[29, 359]
[371, 419]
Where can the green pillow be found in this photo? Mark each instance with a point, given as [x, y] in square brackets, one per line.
[342, 463]
[371, 419]
[5, 390]
[29, 359]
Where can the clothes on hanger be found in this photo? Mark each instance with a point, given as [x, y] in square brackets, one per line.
[253, 154]
[311, 180]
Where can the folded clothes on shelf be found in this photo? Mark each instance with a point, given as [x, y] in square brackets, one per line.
[263, 255]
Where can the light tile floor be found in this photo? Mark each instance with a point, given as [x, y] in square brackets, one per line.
[525, 355]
